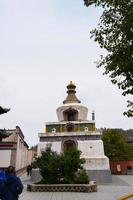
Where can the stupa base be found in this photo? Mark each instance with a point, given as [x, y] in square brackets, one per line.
[100, 176]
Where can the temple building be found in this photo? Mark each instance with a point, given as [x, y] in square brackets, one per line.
[14, 150]
[73, 129]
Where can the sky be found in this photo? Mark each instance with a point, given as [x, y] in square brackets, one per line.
[45, 44]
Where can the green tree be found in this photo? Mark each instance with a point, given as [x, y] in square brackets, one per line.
[3, 133]
[61, 168]
[49, 166]
[3, 110]
[115, 145]
[71, 164]
[115, 34]
[81, 177]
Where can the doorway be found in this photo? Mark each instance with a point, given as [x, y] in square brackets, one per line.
[69, 144]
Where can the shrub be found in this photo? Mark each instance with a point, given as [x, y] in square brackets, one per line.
[82, 177]
[61, 168]
[49, 166]
[71, 164]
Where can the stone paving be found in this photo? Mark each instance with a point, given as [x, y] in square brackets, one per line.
[121, 185]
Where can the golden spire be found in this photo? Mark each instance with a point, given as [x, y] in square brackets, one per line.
[71, 97]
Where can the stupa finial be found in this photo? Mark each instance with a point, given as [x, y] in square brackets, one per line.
[71, 97]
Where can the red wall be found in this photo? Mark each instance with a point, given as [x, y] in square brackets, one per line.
[114, 166]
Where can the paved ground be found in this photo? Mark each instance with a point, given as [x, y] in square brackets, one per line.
[121, 185]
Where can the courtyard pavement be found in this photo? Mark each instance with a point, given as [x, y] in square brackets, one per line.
[121, 185]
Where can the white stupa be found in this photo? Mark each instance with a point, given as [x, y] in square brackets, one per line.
[74, 130]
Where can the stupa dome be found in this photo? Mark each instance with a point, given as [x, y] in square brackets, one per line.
[72, 110]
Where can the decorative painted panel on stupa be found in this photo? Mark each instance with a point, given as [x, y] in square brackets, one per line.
[73, 129]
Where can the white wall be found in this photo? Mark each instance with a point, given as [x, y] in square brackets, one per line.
[97, 163]
[23, 155]
[56, 146]
[5, 158]
[91, 148]
[92, 151]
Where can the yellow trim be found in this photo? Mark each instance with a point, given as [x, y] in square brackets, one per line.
[93, 127]
[78, 128]
[125, 197]
[61, 128]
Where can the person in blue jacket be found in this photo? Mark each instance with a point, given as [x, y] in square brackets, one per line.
[2, 174]
[2, 180]
[12, 185]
